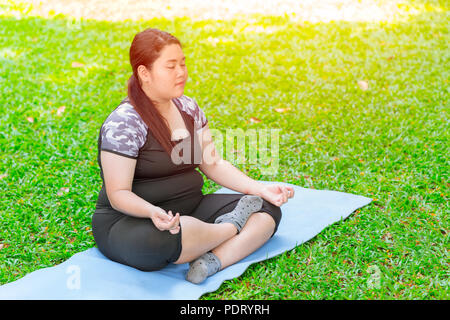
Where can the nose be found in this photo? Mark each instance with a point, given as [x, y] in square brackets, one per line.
[181, 72]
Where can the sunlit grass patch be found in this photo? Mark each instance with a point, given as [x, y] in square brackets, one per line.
[363, 108]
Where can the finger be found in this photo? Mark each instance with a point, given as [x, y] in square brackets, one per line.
[174, 231]
[280, 189]
[283, 190]
[174, 222]
[176, 226]
[166, 225]
[286, 193]
[283, 197]
[159, 226]
[291, 193]
[164, 220]
[163, 216]
[177, 218]
[279, 201]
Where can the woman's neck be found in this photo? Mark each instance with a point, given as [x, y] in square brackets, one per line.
[164, 106]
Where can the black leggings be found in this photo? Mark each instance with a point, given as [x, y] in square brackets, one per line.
[136, 242]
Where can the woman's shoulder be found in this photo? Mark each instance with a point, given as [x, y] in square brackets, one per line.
[123, 132]
[126, 114]
[188, 103]
[191, 107]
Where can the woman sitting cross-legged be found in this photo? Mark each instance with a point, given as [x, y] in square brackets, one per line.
[151, 210]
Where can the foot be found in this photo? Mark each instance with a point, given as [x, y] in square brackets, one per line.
[205, 266]
[238, 217]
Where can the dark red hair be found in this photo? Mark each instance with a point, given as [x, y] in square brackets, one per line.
[144, 50]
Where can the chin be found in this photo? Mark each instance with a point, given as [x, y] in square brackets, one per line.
[180, 94]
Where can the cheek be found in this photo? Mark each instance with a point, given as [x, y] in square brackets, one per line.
[165, 77]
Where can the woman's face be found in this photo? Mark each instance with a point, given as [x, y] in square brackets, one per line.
[168, 75]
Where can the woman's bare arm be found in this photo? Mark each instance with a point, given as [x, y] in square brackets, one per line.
[118, 173]
[222, 171]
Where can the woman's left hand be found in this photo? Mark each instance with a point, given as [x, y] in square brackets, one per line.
[276, 194]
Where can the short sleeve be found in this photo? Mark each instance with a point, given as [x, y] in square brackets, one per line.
[123, 132]
[192, 108]
[200, 117]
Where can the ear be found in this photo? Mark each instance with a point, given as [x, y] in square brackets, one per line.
[143, 73]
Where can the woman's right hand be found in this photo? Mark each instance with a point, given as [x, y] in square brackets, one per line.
[165, 221]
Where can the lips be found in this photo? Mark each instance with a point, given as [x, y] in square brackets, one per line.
[180, 83]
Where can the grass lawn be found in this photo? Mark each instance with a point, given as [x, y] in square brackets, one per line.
[366, 111]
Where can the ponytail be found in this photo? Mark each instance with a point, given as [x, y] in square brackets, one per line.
[145, 48]
[156, 123]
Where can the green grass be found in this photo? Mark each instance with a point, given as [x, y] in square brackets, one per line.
[389, 142]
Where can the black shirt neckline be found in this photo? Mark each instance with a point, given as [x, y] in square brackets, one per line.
[182, 113]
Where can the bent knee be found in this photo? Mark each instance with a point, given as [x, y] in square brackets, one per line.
[265, 220]
[271, 220]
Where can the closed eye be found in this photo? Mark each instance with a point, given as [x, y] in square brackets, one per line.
[183, 65]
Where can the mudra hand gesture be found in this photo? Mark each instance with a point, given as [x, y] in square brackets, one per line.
[166, 220]
[276, 194]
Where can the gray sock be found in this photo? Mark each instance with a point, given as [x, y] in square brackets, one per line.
[246, 206]
[203, 267]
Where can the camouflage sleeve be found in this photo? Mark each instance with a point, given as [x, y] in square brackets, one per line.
[201, 119]
[124, 132]
[192, 108]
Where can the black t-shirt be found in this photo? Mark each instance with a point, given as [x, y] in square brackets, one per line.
[124, 132]
[157, 179]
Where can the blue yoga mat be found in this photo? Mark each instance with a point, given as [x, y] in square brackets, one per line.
[90, 275]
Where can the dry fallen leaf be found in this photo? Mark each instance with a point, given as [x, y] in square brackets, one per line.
[77, 64]
[281, 110]
[387, 236]
[60, 192]
[364, 85]
[60, 110]
[308, 260]
[30, 119]
[253, 119]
